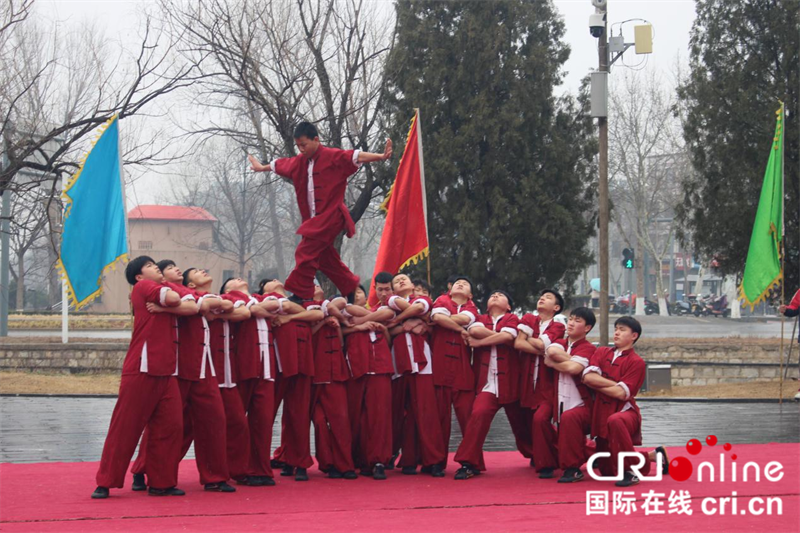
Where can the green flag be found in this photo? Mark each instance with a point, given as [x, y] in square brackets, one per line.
[762, 271]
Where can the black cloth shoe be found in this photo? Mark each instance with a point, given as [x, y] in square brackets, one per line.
[287, 471]
[172, 491]
[301, 474]
[437, 471]
[334, 474]
[350, 474]
[378, 472]
[409, 470]
[466, 471]
[546, 473]
[390, 464]
[532, 464]
[100, 493]
[366, 472]
[257, 481]
[628, 480]
[664, 459]
[274, 463]
[571, 475]
[219, 487]
[138, 483]
[426, 469]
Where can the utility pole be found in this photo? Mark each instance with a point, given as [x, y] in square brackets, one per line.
[598, 27]
[601, 112]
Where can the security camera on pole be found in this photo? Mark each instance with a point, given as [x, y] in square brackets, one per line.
[598, 24]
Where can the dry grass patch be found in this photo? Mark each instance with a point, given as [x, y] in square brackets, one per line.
[763, 389]
[76, 322]
[42, 383]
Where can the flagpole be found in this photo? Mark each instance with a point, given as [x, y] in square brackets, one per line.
[424, 194]
[783, 245]
[64, 292]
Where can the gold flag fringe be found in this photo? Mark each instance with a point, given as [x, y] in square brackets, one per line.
[74, 178]
[71, 297]
[763, 296]
[385, 205]
[414, 259]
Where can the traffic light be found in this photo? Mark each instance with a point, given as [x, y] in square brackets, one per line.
[628, 258]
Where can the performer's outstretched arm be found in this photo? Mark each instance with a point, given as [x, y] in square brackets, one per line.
[257, 166]
[369, 157]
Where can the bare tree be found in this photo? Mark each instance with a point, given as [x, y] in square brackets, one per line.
[269, 65]
[224, 187]
[52, 97]
[647, 162]
[29, 222]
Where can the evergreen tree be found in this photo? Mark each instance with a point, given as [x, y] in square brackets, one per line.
[508, 165]
[744, 58]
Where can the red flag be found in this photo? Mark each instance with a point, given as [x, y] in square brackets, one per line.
[405, 232]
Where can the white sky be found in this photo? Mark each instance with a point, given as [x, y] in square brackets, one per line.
[672, 21]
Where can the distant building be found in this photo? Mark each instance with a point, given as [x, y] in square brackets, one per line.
[183, 234]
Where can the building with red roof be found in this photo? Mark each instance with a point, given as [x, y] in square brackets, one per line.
[184, 234]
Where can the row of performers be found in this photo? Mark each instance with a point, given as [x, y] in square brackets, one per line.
[379, 385]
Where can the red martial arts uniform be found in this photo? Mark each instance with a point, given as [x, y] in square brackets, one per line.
[453, 380]
[617, 424]
[565, 445]
[498, 386]
[320, 184]
[414, 410]
[224, 358]
[369, 397]
[203, 411]
[149, 396]
[256, 367]
[537, 390]
[332, 428]
[293, 388]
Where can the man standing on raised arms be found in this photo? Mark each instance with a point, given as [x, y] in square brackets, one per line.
[319, 175]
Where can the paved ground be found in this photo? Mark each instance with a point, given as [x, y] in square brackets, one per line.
[74, 429]
[654, 327]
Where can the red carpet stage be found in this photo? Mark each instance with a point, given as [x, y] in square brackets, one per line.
[509, 497]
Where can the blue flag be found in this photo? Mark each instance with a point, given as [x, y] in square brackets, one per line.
[95, 227]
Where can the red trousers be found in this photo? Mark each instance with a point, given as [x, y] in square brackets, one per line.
[204, 421]
[572, 430]
[422, 433]
[238, 433]
[399, 387]
[315, 254]
[369, 400]
[258, 401]
[448, 398]
[520, 419]
[152, 402]
[480, 421]
[545, 438]
[333, 442]
[295, 448]
[621, 427]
